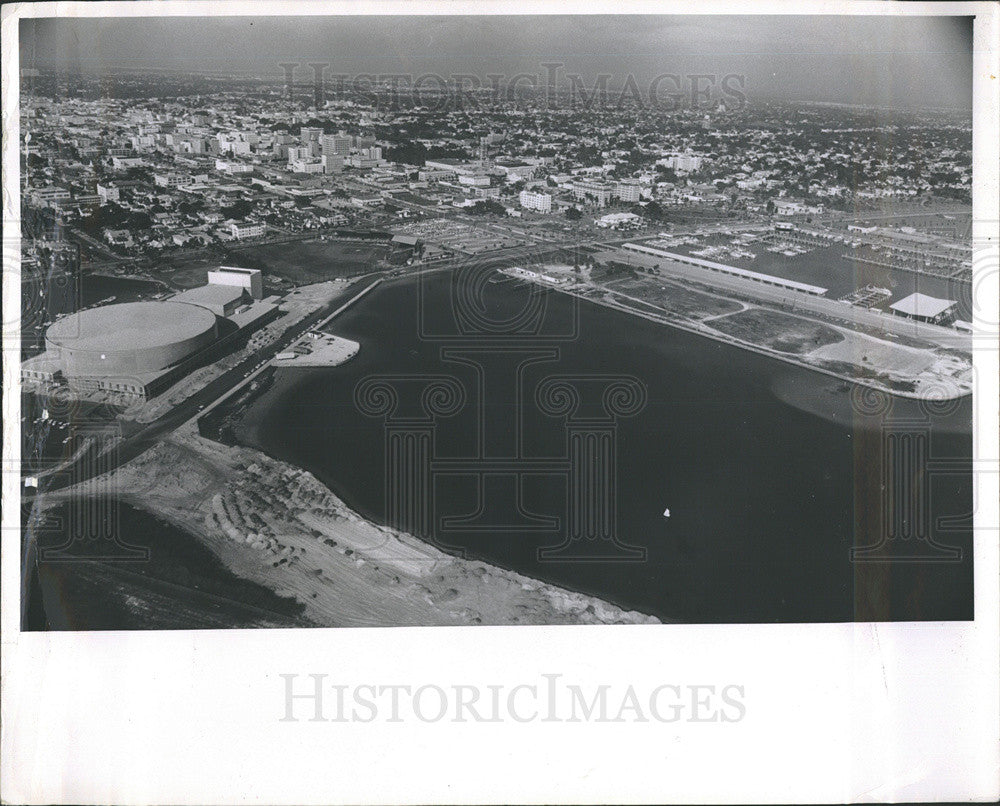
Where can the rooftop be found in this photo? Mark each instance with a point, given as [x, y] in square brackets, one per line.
[210, 295]
[130, 326]
[922, 305]
[236, 270]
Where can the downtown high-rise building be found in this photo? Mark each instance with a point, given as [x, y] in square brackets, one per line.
[336, 145]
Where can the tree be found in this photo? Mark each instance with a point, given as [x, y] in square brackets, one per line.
[139, 173]
[407, 152]
[239, 209]
[487, 207]
[573, 214]
[107, 216]
[666, 174]
[138, 221]
[650, 210]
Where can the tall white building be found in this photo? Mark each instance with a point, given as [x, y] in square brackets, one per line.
[310, 134]
[542, 202]
[682, 163]
[108, 193]
[627, 191]
[336, 145]
[250, 279]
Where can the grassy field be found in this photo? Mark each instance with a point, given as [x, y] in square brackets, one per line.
[302, 262]
[192, 273]
[778, 331]
[673, 298]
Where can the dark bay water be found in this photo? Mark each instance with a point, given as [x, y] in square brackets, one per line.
[97, 288]
[769, 475]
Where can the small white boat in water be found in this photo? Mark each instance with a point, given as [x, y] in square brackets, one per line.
[666, 513]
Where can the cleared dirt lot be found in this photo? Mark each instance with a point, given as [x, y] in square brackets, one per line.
[778, 331]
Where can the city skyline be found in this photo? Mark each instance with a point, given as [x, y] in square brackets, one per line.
[905, 62]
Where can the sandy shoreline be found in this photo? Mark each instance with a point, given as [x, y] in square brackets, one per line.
[278, 526]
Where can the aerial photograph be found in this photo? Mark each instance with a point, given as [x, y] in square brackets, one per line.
[380, 321]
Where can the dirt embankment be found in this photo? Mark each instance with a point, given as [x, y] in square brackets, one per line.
[278, 526]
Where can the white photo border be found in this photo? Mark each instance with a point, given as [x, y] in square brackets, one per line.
[834, 712]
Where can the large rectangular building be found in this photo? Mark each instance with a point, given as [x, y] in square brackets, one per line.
[628, 192]
[336, 145]
[172, 180]
[734, 271]
[598, 193]
[250, 279]
[222, 300]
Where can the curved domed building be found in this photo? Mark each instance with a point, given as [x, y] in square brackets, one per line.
[132, 338]
[140, 348]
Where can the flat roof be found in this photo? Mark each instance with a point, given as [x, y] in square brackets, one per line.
[233, 270]
[210, 295]
[734, 270]
[922, 305]
[254, 312]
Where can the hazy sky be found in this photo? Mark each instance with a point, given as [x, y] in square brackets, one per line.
[912, 61]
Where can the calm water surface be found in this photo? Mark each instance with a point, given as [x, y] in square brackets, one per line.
[767, 472]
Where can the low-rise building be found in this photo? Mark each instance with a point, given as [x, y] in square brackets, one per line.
[619, 221]
[924, 308]
[305, 166]
[172, 180]
[243, 231]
